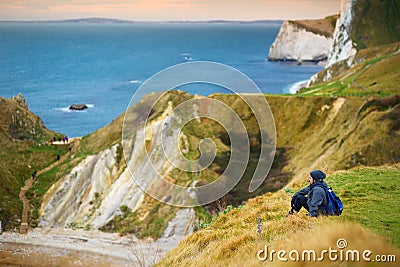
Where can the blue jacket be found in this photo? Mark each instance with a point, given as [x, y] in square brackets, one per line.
[316, 198]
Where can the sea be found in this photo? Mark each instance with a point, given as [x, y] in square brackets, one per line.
[54, 65]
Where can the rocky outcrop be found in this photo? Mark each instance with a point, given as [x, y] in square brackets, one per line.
[20, 99]
[297, 42]
[78, 107]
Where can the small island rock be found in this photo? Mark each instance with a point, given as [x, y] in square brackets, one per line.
[78, 107]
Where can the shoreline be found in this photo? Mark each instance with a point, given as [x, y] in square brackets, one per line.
[295, 87]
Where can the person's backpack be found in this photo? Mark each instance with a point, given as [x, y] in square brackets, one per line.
[334, 205]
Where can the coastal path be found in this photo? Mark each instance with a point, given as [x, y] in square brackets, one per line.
[29, 182]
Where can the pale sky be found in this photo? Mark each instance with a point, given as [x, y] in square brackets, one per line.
[162, 10]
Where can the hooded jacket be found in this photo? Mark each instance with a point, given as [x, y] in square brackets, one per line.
[316, 198]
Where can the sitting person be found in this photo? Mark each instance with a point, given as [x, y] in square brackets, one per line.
[313, 197]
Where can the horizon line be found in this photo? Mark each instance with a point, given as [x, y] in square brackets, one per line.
[105, 19]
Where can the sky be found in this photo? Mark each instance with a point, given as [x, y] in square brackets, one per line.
[165, 10]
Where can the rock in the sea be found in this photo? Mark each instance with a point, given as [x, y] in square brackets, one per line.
[78, 107]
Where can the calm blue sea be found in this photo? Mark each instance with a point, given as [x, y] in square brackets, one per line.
[55, 65]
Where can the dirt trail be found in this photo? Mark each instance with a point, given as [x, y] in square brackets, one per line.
[75, 142]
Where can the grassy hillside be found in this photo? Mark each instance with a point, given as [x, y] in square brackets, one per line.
[24, 149]
[325, 132]
[336, 133]
[375, 23]
[370, 196]
[377, 72]
[312, 132]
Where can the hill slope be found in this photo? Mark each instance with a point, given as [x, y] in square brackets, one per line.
[376, 72]
[232, 239]
[312, 132]
[24, 149]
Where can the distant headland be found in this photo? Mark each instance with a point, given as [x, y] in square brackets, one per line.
[96, 20]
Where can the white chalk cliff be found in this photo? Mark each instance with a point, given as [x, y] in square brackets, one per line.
[93, 192]
[343, 47]
[295, 43]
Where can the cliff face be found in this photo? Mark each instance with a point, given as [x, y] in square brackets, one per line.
[363, 25]
[343, 47]
[303, 41]
[91, 194]
[101, 188]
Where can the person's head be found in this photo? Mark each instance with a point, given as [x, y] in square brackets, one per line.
[316, 176]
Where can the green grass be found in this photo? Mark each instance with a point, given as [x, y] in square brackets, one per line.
[375, 73]
[376, 77]
[375, 22]
[43, 183]
[24, 149]
[374, 60]
[19, 161]
[371, 196]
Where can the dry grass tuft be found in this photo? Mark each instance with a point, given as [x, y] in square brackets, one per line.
[232, 240]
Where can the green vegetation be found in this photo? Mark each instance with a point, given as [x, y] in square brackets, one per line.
[43, 183]
[376, 74]
[203, 216]
[381, 16]
[103, 138]
[370, 196]
[24, 149]
[149, 220]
